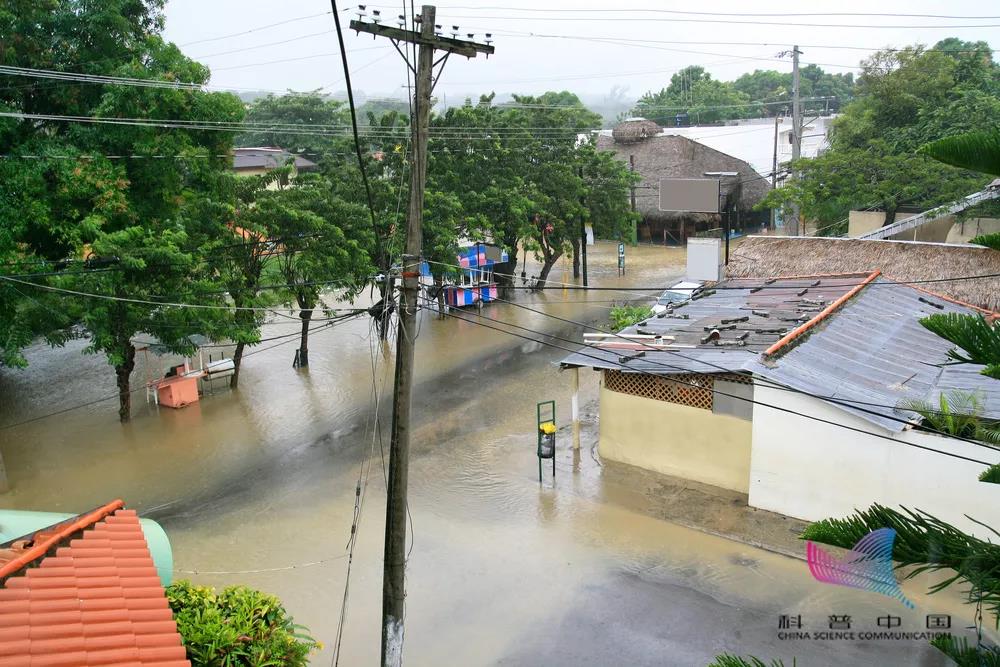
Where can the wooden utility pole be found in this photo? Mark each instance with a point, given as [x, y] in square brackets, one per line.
[793, 218]
[583, 235]
[774, 166]
[394, 564]
[635, 225]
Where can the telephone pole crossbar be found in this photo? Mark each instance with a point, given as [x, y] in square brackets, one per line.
[394, 563]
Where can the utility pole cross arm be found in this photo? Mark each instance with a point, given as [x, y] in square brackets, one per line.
[461, 47]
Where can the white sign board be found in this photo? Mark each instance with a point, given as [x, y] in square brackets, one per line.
[704, 259]
[690, 195]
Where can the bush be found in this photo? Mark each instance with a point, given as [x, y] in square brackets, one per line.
[239, 626]
[624, 316]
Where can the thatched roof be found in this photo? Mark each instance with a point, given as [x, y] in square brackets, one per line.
[634, 129]
[902, 261]
[673, 156]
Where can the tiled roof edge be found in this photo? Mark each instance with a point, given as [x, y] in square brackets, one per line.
[67, 529]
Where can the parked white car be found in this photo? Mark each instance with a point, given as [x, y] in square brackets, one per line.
[682, 291]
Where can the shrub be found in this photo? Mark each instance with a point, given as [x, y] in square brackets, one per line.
[239, 626]
[624, 316]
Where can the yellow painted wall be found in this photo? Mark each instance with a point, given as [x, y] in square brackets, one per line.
[676, 440]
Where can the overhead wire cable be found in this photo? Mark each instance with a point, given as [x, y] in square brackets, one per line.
[117, 394]
[844, 402]
[722, 393]
[255, 29]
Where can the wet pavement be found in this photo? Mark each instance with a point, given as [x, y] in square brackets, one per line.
[257, 487]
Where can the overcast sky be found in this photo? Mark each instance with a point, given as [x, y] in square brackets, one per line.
[583, 50]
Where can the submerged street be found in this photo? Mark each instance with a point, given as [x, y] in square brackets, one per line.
[258, 487]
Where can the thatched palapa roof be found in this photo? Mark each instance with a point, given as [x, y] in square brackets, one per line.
[673, 156]
[902, 261]
[634, 129]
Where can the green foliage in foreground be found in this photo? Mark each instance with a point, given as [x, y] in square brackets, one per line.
[991, 241]
[978, 339]
[626, 316]
[728, 660]
[958, 413]
[237, 627]
[964, 654]
[991, 475]
[927, 544]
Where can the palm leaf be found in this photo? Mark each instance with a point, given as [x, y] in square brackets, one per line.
[991, 241]
[976, 151]
[927, 544]
[978, 339]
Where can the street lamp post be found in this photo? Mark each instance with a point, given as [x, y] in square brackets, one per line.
[728, 228]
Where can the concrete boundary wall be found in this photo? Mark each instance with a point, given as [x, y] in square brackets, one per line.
[811, 470]
[674, 439]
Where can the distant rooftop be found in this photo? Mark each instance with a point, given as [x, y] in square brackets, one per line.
[267, 158]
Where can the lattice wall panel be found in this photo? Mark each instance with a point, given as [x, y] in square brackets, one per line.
[694, 390]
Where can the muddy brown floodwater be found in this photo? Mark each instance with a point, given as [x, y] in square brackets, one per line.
[257, 487]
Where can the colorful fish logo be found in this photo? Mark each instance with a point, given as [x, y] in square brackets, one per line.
[868, 565]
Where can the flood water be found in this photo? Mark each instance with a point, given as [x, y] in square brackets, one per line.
[257, 487]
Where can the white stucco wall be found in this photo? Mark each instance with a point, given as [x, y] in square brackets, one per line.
[811, 470]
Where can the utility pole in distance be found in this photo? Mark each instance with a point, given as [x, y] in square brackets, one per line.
[774, 166]
[583, 236]
[394, 563]
[796, 132]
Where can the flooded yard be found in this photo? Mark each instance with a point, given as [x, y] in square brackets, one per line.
[258, 487]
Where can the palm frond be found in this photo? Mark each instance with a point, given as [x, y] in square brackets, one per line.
[978, 339]
[966, 654]
[987, 240]
[729, 660]
[927, 544]
[976, 151]
[991, 474]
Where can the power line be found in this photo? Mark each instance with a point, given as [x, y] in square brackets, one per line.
[103, 399]
[855, 26]
[256, 29]
[844, 402]
[737, 14]
[894, 283]
[261, 46]
[147, 302]
[716, 391]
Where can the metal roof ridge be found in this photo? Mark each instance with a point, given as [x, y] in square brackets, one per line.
[820, 316]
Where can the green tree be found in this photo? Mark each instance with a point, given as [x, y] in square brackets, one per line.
[278, 116]
[126, 214]
[323, 240]
[904, 98]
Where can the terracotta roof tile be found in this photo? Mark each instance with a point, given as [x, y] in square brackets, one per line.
[97, 601]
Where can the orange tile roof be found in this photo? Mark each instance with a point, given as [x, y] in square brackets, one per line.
[96, 601]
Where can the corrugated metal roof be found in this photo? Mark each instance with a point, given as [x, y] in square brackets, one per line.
[967, 377]
[871, 352]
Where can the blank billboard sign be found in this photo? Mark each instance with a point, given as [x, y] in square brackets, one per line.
[690, 195]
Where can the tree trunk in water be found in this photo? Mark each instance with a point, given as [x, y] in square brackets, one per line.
[890, 216]
[306, 315]
[546, 267]
[122, 374]
[439, 284]
[237, 359]
[576, 257]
